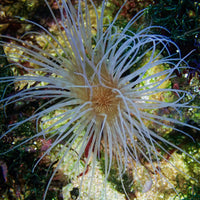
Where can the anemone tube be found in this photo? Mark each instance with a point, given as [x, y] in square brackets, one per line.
[101, 96]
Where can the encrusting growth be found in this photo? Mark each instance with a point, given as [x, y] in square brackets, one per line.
[100, 99]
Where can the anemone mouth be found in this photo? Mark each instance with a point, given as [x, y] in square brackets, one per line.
[98, 89]
[105, 101]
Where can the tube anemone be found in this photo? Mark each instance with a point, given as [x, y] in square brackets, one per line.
[102, 102]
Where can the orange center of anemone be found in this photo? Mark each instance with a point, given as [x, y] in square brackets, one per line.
[104, 101]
